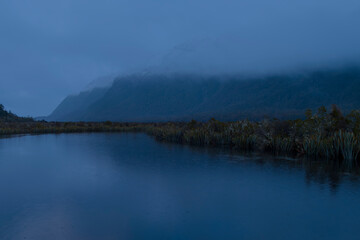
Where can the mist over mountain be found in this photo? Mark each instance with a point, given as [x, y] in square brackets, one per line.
[257, 53]
[278, 66]
[102, 82]
[177, 97]
[52, 48]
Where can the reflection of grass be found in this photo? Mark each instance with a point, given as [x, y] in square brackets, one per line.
[67, 127]
[321, 135]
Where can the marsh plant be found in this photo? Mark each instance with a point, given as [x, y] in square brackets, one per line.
[323, 135]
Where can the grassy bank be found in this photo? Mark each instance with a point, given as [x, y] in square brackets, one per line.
[327, 135]
[9, 128]
[321, 135]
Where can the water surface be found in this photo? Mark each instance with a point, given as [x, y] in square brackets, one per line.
[128, 186]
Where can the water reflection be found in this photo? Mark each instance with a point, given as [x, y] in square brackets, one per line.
[316, 171]
[127, 186]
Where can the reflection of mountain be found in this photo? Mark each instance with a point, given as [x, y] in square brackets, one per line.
[150, 97]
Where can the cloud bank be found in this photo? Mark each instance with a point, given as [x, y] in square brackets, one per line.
[49, 48]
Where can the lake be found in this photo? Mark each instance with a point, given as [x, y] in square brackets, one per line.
[128, 186]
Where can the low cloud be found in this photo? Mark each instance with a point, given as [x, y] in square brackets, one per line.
[52, 48]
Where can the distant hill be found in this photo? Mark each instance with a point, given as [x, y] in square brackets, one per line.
[150, 97]
[6, 116]
[72, 108]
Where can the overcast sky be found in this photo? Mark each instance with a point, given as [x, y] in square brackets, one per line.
[49, 49]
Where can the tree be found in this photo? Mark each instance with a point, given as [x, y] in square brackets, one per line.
[338, 118]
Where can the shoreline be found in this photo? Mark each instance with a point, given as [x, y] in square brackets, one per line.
[328, 136]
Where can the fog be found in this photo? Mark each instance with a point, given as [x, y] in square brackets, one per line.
[49, 49]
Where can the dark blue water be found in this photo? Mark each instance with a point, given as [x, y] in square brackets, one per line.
[128, 186]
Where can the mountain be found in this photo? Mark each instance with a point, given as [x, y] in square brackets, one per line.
[6, 116]
[72, 107]
[102, 82]
[156, 97]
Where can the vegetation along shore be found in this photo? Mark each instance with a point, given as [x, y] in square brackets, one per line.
[324, 134]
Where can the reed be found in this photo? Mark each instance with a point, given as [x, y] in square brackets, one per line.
[347, 147]
[322, 135]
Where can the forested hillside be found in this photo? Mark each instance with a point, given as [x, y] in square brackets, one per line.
[150, 97]
[6, 116]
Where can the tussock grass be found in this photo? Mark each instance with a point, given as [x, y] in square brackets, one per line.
[322, 135]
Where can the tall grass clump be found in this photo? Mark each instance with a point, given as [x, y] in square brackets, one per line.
[321, 135]
[347, 147]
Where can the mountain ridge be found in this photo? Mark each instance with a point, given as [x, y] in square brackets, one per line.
[178, 97]
[7, 116]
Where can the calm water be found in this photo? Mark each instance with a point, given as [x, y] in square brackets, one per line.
[127, 186]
